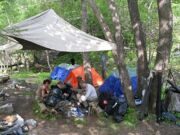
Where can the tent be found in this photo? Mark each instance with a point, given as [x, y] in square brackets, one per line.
[70, 75]
[49, 31]
[60, 73]
[79, 71]
[113, 84]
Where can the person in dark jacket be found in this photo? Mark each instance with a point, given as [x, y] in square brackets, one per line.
[66, 89]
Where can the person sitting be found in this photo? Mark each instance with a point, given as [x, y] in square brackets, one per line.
[90, 93]
[42, 93]
[66, 89]
[43, 90]
[79, 80]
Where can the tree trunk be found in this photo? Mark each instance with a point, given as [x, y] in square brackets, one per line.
[86, 63]
[164, 43]
[125, 80]
[140, 41]
[118, 53]
[99, 16]
[48, 61]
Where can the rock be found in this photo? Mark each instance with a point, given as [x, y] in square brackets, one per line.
[4, 78]
[6, 109]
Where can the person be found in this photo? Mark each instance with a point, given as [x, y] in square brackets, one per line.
[43, 90]
[66, 89]
[79, 80]
[90, 93]
[72, 61]
[42, 93]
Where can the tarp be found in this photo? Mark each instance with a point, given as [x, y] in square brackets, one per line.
[113, 85]
[79, 71]
[49, 31]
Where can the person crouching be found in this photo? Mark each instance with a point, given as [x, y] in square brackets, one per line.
[90, 93]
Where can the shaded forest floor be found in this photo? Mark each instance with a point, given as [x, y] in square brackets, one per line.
[23, 101]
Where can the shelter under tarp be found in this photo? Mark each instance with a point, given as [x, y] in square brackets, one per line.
[49, 31]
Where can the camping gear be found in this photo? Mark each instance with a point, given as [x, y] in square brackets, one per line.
[171, 103]
[79, 71]
[60, 73]
[103, 99]
[49, 31]
[16, 126]
[51, 101]
[75, 112]
[56, 92]
[117, 107]
[70, 76]
[113, 85]
[63, 107]
[30, 124]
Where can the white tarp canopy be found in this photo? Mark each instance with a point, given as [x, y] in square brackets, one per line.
[49, 31]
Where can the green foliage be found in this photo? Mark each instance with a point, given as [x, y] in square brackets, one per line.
[66, 57]
[130, 118]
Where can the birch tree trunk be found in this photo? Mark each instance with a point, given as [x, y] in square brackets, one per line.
[125, 80]
[86, 63]
[140, 41]
[48, 60]
[164, 44]
[105, 28]
[119, 52]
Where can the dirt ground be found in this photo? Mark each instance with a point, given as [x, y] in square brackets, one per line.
[23, 104]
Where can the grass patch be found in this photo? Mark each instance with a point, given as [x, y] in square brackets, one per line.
[130, 118]
[36, 77]
[79, 121]
[46, 116]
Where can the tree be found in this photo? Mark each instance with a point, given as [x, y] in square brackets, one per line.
[125, 80]
[105, 28]
[164, 45]
[86, 63]
[119, 52]
[140, 41]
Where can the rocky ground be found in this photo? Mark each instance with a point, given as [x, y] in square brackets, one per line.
[23, 100]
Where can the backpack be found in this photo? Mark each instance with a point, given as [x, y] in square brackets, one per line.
[51, 101]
